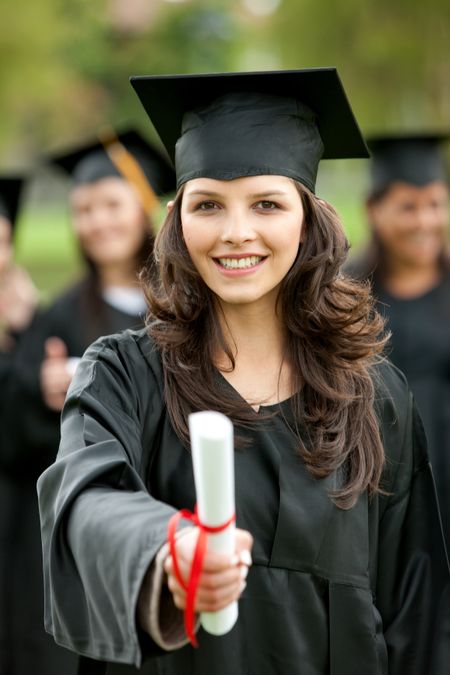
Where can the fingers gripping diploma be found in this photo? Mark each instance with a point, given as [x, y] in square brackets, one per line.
[223, 576]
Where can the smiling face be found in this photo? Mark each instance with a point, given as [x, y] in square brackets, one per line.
[108, 220]
[242, 235]
[411, 223]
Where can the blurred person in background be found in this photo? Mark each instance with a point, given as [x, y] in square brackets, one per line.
[113, 194]
[408, 263]
[18, 300]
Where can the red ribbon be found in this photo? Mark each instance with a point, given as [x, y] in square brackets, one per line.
[197, 563]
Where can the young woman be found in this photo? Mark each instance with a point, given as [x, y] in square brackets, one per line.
[115, 234]
[250, 315]
[408, 263]
[113, 226]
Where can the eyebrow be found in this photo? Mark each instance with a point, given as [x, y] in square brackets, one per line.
[258, 195]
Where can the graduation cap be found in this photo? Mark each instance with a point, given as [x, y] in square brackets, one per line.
[10, 190]
[409, 158]
[229, 125]
[127, 155]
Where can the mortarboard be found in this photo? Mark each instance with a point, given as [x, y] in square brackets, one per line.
[10, 190]
[229, 125]
[127, 155]
[410, 158]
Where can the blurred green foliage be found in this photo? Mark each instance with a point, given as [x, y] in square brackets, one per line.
[65, 66]
[46, 248]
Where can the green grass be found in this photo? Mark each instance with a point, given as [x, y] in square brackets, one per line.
[45, 246]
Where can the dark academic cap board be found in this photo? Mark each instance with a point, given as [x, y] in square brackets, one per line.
[417, 159]
[10, 191]
[229, 125]
[127, 155]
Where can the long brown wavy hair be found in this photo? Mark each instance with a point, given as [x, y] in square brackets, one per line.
[333, 338]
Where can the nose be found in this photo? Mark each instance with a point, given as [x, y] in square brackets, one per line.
[237, 228]
[99, 218]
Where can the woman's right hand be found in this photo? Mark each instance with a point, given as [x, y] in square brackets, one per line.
[223, 576]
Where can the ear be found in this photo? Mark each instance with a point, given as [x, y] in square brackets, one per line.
[169, 206]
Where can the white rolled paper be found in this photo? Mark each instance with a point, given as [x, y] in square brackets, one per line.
[213, 459]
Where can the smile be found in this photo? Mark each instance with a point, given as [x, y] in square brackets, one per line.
[240, 263]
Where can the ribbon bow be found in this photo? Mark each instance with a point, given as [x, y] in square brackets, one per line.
[197, 562]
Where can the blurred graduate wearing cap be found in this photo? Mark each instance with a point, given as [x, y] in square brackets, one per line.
[409, 263]
[18, 300]
[114, 195]
[114, 192]
[249, 315]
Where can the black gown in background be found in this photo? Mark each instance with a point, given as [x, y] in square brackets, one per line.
[7, 508]
[420, 347]
[29, 440]
[330, 592]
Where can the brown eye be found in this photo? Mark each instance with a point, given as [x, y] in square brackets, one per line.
[206, 206]
[113, 204]
[266, 205]
[408, 207]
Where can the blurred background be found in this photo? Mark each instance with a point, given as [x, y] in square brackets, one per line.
[65, 65]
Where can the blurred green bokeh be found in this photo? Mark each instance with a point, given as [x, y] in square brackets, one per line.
[65, 67]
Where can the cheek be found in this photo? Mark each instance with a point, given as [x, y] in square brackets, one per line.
[289, 241]
[138, 225]
[196, 239]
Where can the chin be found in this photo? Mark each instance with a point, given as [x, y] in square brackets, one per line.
[109, 257]
[238, 300]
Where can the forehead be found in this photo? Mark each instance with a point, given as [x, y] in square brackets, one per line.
[266, 184]
[434, 190]
[113, 185]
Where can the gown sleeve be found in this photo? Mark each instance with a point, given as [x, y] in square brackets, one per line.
[101, 529]
[412, 572]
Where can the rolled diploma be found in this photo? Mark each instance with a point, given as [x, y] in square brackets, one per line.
[213, 459]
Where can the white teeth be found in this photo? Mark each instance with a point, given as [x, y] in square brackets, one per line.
[240, 263]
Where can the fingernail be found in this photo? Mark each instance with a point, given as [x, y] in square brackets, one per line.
[244, 571]
[243, 586]
[246, 558]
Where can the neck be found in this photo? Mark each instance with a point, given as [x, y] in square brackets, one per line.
[409, 281]
[254, 334]
[118, 274]
[261, 374]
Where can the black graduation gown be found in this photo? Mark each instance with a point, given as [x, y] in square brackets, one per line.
[8, 515]
[420, 347]
[29, 440]
[330, 591]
